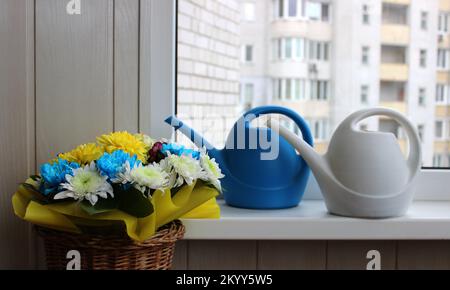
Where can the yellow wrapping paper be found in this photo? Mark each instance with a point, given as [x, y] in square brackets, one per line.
[194, 202]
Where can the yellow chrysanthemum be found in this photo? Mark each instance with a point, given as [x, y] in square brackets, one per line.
[83, 154]
[146, 139]
[126, 142]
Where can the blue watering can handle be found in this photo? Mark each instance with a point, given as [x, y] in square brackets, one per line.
[299, 121]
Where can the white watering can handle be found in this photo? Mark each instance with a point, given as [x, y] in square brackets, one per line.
[415, 152]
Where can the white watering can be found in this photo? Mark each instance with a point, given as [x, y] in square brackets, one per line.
[364, 174]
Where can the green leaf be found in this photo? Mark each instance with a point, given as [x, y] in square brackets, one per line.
[35, 177]
[102, 206]
[133, 202]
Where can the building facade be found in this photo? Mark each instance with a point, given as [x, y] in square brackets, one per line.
[208, 66]
[327, 59]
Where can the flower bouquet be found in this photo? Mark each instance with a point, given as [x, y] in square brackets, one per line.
[118, 200]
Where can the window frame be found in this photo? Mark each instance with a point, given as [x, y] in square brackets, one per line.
[432, 183]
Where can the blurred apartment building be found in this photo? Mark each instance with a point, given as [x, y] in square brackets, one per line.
[326, 59]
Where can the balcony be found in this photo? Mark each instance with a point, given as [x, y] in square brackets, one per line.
[444, 5]
[443, 77]
[395, 12]
[395, 34]
[442, 111]
[400, 2]
[301, 28]
[308, 109]
[394, 72]
[441, 147]
[444, 41]
[395, 105]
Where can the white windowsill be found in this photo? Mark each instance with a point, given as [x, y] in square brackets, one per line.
[426, 220]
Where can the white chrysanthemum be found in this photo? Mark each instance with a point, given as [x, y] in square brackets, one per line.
[185, 167]
[212, 170]
[86, 183]
[124, 177]
[150, 176]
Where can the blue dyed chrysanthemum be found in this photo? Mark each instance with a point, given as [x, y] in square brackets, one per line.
[179, 150]
[111, 164]
[53, 174]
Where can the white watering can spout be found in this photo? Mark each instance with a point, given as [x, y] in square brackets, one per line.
[316, 162]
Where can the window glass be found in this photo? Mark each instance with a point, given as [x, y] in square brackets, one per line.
[424, 20]
[324, 59]
[292, 8]
[365, 55]
[365, 15]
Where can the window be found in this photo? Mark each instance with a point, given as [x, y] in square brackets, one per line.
[248, 9]
[311, 70]
[365, 14]
[423, 58]
[318, 50]
[318, 90]
[439, 129]
[299, 48]
[365, 55]
[319, 129]
[443, 22]
[364, 94]
[292, 8]
[421, 132]
[441, 94]
[288, 48]
[248, 53]
[317, 11]
[422, 97]
[437, 160]
[424, 20]
[295, 49]
[249, 94]
[443, 59]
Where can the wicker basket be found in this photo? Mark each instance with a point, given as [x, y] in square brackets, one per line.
[108, 252]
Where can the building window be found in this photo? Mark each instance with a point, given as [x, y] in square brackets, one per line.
[437, 160]
[365, 14]
[299, 90]
[316, 11]
[364, 94]
[247, 53]
[444, 22]
[318, 50]
[439, 130]
[319, 90]
[249, 94]
[421, 132]
[288, 48]
[319, 129]
[441, 94]
[423, 58]
[365, 55]
[443, 59]
[292, 8]
[299, 48]
[248, 11]
[424, 20]
[422, 97]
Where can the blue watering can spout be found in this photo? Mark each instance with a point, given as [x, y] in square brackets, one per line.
[196, 138]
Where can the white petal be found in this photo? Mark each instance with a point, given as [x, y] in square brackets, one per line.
[63, 195]
[93, 199]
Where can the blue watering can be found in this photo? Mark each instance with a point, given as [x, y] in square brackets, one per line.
[254, 179]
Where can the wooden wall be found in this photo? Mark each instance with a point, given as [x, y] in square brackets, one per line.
[65, 79]
[310, 255]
